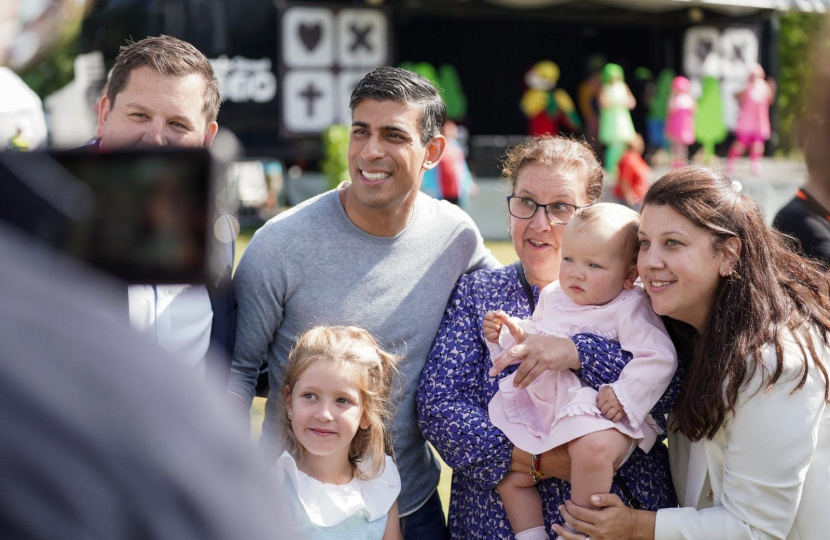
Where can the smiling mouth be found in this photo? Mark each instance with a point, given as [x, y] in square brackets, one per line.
[376, 176]
[322, 432]
[659, 284]
[537, 243]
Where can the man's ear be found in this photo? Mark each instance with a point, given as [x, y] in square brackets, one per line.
[210, 134]
[630, 277]
[103, 112]
[435, 149]
[731, 250]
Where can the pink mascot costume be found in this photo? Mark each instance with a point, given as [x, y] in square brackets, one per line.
[680, 120]
[752, 130]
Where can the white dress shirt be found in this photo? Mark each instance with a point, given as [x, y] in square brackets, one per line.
[177, 318]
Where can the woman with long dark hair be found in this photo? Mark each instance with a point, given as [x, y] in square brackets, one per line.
[750, 448]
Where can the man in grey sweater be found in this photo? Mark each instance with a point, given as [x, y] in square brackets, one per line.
[374, 253]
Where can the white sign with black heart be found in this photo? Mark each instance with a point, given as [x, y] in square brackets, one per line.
[308, 37]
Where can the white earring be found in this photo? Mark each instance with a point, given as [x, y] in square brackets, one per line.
[289, 415]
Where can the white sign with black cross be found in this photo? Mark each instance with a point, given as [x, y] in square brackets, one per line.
[309, 98]
[326, 50]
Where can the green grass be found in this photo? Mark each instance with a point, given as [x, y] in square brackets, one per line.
[503, 251]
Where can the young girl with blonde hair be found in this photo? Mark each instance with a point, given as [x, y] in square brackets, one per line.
[336, 472]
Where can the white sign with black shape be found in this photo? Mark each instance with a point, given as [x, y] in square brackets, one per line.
[325, 52]
[346, 82]
[308, 37]
[309, 100]
[363, 38]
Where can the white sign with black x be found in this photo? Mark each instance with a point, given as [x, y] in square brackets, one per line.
[362, 34]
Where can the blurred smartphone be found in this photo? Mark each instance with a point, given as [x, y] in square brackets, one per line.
[140, 215]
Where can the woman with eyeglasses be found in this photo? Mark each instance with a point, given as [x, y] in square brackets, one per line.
[551, 178]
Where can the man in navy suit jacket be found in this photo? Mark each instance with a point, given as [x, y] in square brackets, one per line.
[162, 92]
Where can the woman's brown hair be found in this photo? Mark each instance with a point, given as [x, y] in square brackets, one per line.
[354, 351]
[566, 153]
[771, 293]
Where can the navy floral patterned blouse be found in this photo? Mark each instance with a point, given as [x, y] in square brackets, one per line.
[455, 390]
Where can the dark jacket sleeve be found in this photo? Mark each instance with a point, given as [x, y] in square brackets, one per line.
[223, 304]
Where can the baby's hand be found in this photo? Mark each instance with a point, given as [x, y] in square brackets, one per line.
[492, 326]
[609, 404]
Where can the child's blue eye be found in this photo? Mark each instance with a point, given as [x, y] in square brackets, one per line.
[594, 265]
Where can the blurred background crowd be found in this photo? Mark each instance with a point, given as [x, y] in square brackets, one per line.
[650, 84]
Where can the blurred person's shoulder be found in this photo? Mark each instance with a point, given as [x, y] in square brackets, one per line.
[90, 407]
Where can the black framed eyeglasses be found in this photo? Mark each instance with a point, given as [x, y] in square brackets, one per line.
[556, 212]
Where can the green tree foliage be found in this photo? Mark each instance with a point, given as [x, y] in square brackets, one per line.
[336, 149]
[797, 36]
[57, 70]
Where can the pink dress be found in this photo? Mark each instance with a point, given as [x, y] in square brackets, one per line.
[753, 118]
[557, 407]
[680, 119]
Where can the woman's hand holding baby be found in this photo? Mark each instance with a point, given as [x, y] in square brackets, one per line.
[610, 406]
[536, 353]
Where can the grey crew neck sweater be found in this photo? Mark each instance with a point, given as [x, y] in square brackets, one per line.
[311, 265]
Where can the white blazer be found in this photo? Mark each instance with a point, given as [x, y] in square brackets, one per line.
[765, 474]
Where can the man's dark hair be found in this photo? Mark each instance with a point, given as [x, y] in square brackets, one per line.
[389, 83]
[168, 56]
